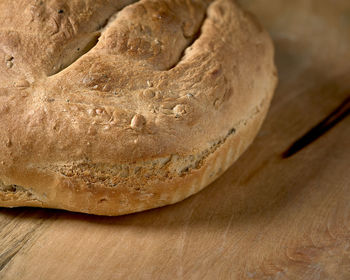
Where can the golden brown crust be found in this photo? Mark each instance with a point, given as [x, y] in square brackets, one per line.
[166, 99]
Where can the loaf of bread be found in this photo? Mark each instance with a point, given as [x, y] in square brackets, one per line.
[111, 107]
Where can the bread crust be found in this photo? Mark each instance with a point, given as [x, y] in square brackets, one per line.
[116, 108]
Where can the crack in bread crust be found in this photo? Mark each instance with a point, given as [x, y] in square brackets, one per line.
[160, 168]
[16, 193]
[154, 170]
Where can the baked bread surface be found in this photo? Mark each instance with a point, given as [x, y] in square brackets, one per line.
[113, 107]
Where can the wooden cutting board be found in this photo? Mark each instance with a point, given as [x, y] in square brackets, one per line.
[278, 213]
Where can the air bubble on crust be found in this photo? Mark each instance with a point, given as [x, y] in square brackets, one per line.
[138, 122]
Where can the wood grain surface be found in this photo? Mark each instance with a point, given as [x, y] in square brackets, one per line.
[281, 212]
